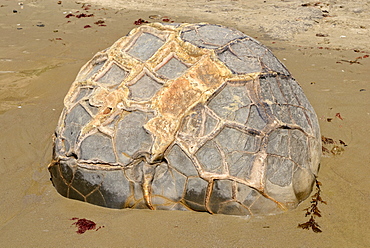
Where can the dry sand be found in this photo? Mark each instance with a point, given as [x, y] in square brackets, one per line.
[41, 52]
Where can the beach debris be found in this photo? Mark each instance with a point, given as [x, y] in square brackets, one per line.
[322, 6]
[327, 140]
[342, 143]
[86, 6]
[84, 225]
[313, 210]
[84, 15]
[140, 21]
[54, 39]
[339, 116]
[166, 19]
[355, 61]
[100, 23]
[155, 17]
[315, 4]
[79, 15]
[330, 146]
[160, 18]
[59, 2]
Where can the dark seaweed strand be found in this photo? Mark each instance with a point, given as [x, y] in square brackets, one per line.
[313, 211]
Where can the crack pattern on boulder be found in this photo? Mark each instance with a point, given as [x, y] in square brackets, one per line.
[187, 117]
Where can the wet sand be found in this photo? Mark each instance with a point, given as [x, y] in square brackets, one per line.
[41, 52]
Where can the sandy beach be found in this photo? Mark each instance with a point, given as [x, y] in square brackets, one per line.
[326, 47]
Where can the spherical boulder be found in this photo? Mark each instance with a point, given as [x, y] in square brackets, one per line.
[187, 117]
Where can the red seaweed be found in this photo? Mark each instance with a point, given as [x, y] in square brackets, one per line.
[86, 6]
[339, 116]
[84, 225]
[79, 15]
[84, 15]
[100, 23]
[140, 21]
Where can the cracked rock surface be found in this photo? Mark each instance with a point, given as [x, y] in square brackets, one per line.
[187, 117]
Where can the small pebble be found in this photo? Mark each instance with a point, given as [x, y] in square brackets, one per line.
[357, 10]
[155, 17]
